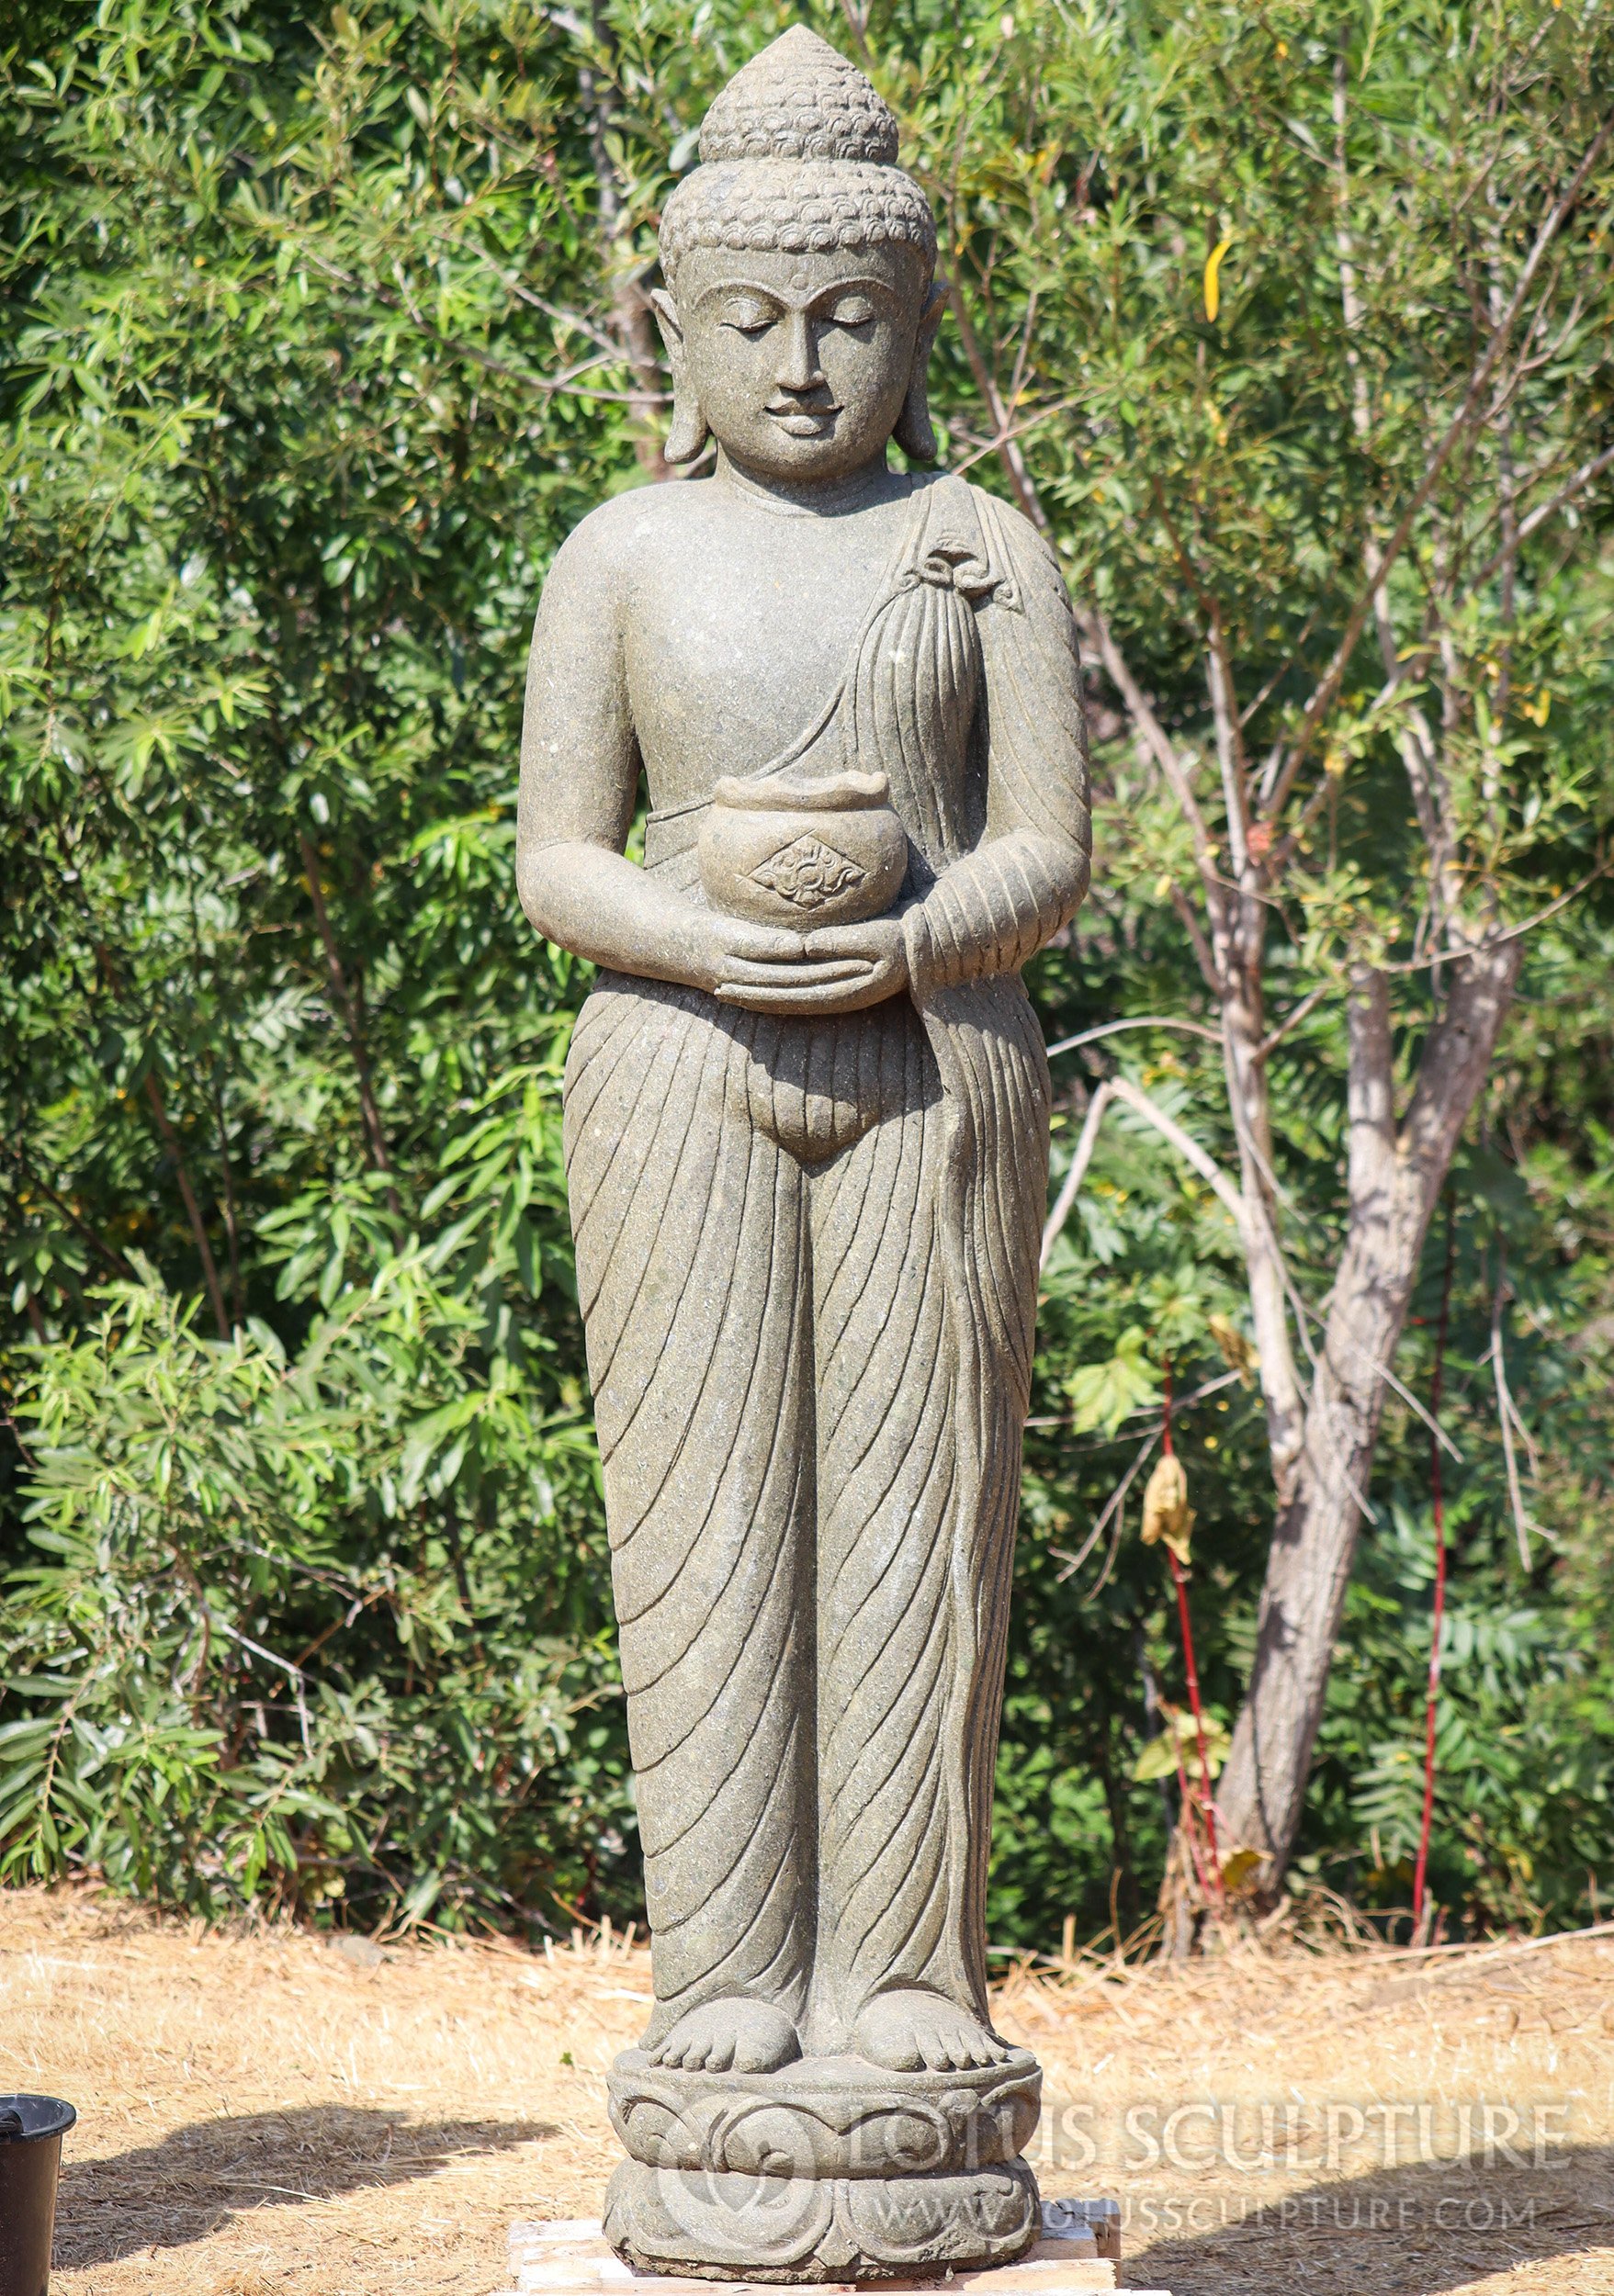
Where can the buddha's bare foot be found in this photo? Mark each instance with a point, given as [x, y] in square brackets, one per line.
[910, 2032]
[730, 2035]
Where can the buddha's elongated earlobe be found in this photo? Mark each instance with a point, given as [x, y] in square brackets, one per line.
[914, 433]
[689, 431]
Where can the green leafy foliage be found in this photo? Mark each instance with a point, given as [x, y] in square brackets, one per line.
[321, 333]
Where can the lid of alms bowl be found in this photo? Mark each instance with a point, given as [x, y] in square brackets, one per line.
[786, 793]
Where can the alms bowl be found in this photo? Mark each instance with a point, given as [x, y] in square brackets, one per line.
[803, 853]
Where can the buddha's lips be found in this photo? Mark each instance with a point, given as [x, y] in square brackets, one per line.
[804, 421]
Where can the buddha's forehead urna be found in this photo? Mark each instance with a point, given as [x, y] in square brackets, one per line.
[797, 155]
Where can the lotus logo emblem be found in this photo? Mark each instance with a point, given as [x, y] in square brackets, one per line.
[806, 872]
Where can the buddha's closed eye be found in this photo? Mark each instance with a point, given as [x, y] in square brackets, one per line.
[748, 314]
[848, 311]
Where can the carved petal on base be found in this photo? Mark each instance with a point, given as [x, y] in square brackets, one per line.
[794, 2229]
[824, 2117]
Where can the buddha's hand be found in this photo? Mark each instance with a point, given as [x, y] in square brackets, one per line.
[842, 969]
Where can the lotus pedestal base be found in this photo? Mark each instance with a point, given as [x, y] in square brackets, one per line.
[827, 2169]
[686, 2223]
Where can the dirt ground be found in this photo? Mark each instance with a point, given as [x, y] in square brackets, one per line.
[267, 2115]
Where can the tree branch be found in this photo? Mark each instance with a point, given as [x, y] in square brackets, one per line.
[1122, 1089]
[375, 1137]
[1204, 956]
[1328, 685]
[1070, 1185]
[192, 1209]
[1144, 1020]
[1291, 1019]
[1505, 1414]
[114, 1258]
[995, 445]
[1005, 440]
[1591, 469]
[1097, 636]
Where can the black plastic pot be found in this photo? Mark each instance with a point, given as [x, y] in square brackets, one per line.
[31, 2130]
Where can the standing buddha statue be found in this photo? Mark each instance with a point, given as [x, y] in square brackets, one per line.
[807, 1133]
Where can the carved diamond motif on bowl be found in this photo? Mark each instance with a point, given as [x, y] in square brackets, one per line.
[806, 872]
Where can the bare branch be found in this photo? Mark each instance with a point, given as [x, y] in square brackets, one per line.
[1018, 378]
[1228, 724]
[1590, 470]
[1122, 1089]
[1148, 1411]
[1144, 1020]
[1268, 686]
[193, 1211]
[1204, 953]
[36, 1179]
[1291, 1019]
[1115, 1499]
[1506, 1415]
[995, 446]
[1070, 1186]
[1487, 941]
[376, 1139]
[1100, 640]
[1009, 452]
[1327, 687]
[1383, 1371]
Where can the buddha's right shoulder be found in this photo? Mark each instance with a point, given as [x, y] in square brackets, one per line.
[622, 535]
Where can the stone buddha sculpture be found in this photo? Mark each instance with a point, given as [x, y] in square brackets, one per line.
[806, 1131]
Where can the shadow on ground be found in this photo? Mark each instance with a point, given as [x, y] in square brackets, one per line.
[166, 2195]
[1412, 2231]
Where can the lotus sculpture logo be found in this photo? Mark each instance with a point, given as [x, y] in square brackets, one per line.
[806, 872]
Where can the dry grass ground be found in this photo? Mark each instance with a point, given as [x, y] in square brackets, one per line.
[267, 2115]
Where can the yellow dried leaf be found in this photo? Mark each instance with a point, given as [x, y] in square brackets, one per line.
[1214, 277]
[1236, 1352]
[1240, 1867]
[1168, 1516]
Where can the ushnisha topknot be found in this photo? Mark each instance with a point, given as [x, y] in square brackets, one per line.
[797, 155]
[799, 100]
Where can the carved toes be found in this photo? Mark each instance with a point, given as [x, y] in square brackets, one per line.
[915, 2031]
[733, 2035]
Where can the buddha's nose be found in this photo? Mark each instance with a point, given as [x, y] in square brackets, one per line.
[798, 361]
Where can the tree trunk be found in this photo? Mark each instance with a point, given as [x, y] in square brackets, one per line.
[1238, 942]
[1395, 1175]
[633, 320]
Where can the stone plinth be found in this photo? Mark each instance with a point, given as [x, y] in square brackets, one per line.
[825, 2118]
[1077, 2250]
[826, 2170]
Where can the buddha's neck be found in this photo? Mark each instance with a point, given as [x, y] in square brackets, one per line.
[822, 497]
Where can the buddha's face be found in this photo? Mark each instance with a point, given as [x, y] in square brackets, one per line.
[800, 362]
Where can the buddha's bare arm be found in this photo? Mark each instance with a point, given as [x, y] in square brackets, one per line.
[580, 766]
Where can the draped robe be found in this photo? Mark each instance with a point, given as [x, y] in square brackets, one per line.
[807, 1256]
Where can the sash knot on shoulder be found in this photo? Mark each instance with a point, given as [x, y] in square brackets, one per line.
[952, 564]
